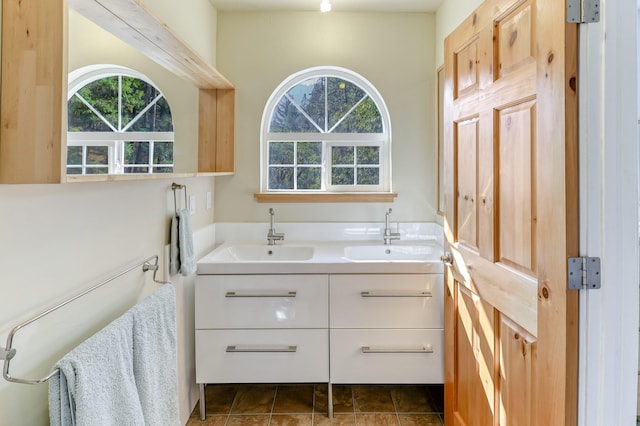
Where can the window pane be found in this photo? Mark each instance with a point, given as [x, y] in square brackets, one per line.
[163, 153]
[103, 96]
[342, 155]
[309, 95]
[286, 118]
[136, 95]
[82, 119]
[364, 119]
[156, 119]
[136, 153]
[136, 170]
[368, 154]
[280, 177]
[98, 155]
[281, 153]
[342, 176]
[97, 170]
[368, 176]
[74, 155]
[163, 170]
[74, 170]
[302, 93]
[309, 177]
[309, 152]
[342, 96]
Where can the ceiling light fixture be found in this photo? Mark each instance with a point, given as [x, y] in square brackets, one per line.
[325, 6]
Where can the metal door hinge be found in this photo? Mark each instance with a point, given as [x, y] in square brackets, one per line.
[583, 11]
[584, 273]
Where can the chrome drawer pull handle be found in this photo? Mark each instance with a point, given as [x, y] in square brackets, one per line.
[261, 348]
[393, 293]
[426, 349]
[261, 294]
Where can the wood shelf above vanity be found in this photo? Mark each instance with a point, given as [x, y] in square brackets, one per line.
[33, 111]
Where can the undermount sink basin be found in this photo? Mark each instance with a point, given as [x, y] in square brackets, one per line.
[397, 253]
[265, 253]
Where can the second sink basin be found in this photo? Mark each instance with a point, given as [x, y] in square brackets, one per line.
[397, 253]
[258, 253]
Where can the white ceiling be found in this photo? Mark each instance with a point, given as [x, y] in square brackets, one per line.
[337, 5]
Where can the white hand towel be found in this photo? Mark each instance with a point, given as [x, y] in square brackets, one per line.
[185, 242]
[174, 249]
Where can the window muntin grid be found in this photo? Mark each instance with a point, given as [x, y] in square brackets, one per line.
[331, 107]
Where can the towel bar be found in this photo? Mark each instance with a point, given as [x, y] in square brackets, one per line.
[174, 187]
[7, 353]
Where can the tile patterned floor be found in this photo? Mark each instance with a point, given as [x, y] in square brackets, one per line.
[362, 405]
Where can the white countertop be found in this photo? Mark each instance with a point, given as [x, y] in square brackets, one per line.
[328, 258]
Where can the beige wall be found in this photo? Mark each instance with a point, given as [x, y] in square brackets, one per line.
[59, 239]
[193, 21]
[448, 17]
[395, 52]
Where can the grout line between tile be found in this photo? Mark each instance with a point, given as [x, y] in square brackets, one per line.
[273, 404]
[353, 404]
[395, 405]
[313, 404]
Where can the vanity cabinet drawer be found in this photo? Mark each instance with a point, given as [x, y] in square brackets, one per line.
[261, 301]
[259, 356]
[387, 356]
[386, 301]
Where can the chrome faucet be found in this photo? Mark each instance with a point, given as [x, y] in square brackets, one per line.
[388, 235]
[272, 235]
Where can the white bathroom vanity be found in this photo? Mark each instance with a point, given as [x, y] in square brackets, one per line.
[320, 312]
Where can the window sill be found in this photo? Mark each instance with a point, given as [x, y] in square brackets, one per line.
[138, 176]
[334, 197]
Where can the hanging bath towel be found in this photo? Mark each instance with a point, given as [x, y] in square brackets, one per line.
[96, 384]
[155, 357]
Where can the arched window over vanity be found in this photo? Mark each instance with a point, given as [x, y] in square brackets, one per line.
[119, 122]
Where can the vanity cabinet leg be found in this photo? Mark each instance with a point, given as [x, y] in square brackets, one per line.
[203, 402]
[330, 400]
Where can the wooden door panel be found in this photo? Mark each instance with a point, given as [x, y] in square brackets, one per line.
[517, 375]
[514, 39]
[476, 368]
[466, 66]
[515, 141]
[466, 146]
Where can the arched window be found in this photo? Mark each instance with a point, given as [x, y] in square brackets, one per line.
[325, 129]
[118, 122]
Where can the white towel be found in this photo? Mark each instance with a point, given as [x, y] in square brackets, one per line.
[182, 257]
[174, 249]
[96, 383]
[125, 374]
[155, 357]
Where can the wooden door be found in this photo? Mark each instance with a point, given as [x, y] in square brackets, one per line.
[511, 216]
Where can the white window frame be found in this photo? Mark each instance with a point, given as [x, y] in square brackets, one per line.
[84, 166]
[114, 139]
[383, 140]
